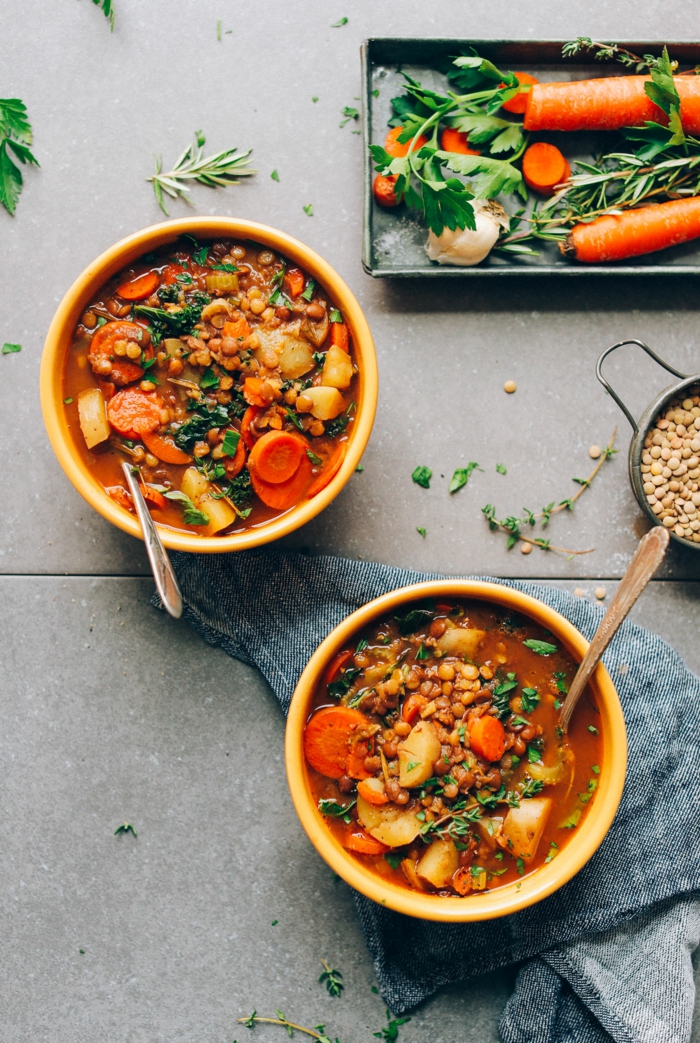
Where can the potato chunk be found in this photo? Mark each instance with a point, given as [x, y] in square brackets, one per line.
[326, 403]
[220, 514]
[524, 826]
[439, 863]
[93, 417]
[194, 484]
[462, 641]
[337, 369]
[417, 754]
[295, 356]
[389, 824]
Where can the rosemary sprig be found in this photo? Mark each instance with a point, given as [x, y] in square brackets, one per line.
[15, 137]
[319, 1032]
[220, 169]
[331, 979]
[607, 52]
[512, 525]
[108, 10]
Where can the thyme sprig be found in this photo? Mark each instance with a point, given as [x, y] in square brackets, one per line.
[220, 169]
[608, 52]
[512, 526]
[318, 1032]
[331, 979]
[108, 11]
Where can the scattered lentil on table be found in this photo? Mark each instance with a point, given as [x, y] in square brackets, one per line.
[594, 452]
[510, 386]
[670, 466]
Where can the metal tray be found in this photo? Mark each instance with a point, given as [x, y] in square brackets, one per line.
[393, 241]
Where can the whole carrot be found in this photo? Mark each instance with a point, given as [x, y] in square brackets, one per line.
[607, 103]
[616, 236]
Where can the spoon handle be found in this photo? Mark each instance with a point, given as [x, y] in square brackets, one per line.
[166, 583]
[646, 560]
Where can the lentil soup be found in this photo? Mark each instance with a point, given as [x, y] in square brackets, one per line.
[224, 372]
[433, 749]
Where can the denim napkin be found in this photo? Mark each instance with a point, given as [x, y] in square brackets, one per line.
[608, 956]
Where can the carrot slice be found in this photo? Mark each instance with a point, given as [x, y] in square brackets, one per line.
[248, 417]
[362, 843]
[133, 413]
[412, 707]
[488, 738]
[170, 273]
[398, 148]
[294, 281]
[518, 103]
[237, 328]
[329, 471]
[138, 289]
[383, 190]
[276, 455]
[453, 140]
[281, 496]
[337, 664]
[339, 336]
[251, 391]
[235, 464]
[372, 790]
[355, 765]
[327, 739]
[544, 167]
[164, 448]
[120, 495]
[102, 346]
[152, 495]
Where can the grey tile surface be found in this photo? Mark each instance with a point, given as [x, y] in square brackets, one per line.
[143, 722]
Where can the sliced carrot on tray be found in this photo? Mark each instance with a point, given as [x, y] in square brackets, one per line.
[327, 739]
[452, 140]
[544, 167]
[400, 148]
[518, 103]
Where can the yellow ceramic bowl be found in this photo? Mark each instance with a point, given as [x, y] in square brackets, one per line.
[123, 253]
[511, 897]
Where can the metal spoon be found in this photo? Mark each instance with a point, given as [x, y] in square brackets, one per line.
[163, 574]
[647, 558]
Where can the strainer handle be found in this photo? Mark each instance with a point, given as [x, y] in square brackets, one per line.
[606, 385]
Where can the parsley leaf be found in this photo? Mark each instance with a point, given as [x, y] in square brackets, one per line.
[421, 531]
[339, 23]
[500, 696]
[190, 514]
[501, 468]
[335, 315]
[414, 620]
[11, 349]
[328, 806]
[337, 689]
[308, 209]
[316, 460]
[309, 290]
[530, 698]
[393, 859]
[462, 475]
[540, 647]
[209, 379]
[421, 476]
[275, 176]
[229, 445]
[15, 137]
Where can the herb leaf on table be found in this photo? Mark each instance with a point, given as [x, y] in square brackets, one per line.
[15, 138]
[220, 169]
[108, 11]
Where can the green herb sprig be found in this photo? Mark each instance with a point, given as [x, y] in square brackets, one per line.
[15, 139]
[318, 1033]
[331, 978]
[513, 526]
[218, 170]
[107, 10]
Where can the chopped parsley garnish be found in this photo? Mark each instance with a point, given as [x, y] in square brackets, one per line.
[500, 695]
[335, 315]
[67, 401]
[421, 476]
[393, 859]
[337, 426]
[592, 729]
[488, 799]
[540, 647]
[224, 268]
[308, 209]
[191, 515]
[198, 426]
[501, 468]
[337, 689]
[315, 460]
[553, 848]
[529, 698]
[309, 290]
[200, 256]
[559, 678]
[294, 417]
[414, 620]
[572, 821]
[462, 475]
[209, 379]
[229, 445]
[595, 768]
[423, 652]
[275, 176]
[328, 806]
[11, 349]
[421, 531]
[534, 752]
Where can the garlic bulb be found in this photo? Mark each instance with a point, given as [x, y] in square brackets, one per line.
[464, 246]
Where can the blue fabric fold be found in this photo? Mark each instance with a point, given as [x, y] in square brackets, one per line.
[608, 955]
